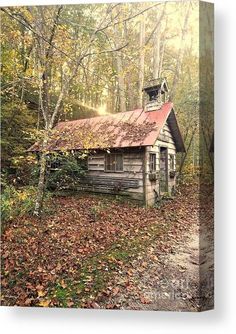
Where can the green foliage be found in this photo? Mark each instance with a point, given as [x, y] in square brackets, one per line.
[65, 171]
[18, 202]
[23, 171]
[17, 122]
[17, 118]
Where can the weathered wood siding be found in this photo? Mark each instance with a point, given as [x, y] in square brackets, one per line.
[134, 179]
[166, 140]
[128, 182]
[152, 187]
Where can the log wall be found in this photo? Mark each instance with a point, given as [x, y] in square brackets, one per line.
[128, 182]
[134, 179]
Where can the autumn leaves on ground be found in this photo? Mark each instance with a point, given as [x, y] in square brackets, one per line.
[82, 253]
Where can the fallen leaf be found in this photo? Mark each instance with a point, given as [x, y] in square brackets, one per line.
[44, 303]
[115, 291]
[42, 293]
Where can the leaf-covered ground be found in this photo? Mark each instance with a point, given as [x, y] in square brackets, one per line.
[94, 251]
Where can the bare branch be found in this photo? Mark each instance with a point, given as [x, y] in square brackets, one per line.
[107, 51]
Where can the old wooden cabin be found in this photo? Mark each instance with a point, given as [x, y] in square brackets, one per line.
[131, 153]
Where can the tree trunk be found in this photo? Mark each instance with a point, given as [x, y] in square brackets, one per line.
[120, 72]
[142, 59]
[156, 54]
[162, 50]
[180, 53]
[131, 100]
[121, 82]
[41, 185]
[158, 48]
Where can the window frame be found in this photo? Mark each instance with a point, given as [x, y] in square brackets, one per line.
[115, 157]
[152, 163]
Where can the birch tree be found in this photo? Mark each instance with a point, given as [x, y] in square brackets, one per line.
[120, 70]
[179, 60]
[141, 60]
[158, 44]
[44, 53]
[156, 54]
[45, 48]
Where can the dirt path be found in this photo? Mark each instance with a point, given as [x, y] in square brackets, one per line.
[170, 281]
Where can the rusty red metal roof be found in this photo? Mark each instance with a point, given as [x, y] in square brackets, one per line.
[127, 129]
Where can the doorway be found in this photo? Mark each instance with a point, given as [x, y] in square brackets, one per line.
[163, 170]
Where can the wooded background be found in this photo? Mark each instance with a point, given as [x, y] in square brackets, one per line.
[76, 61]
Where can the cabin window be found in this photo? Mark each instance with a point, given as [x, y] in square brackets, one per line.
[114, 162]
[54, 164]
[152, 162]
[172, 162]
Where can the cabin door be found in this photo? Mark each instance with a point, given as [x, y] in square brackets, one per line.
[163, 170]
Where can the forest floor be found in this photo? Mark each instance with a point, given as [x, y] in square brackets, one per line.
[100, 252]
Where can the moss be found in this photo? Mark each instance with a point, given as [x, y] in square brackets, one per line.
[61, 295]
[12, 283]
[97, 271]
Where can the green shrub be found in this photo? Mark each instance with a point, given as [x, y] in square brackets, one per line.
[66, 176]
[17, 202]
